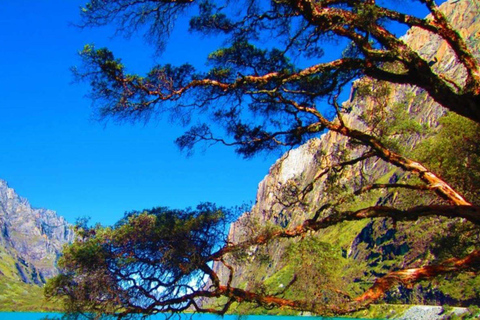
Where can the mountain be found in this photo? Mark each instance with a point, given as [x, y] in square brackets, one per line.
[31, 241]
[351, 254]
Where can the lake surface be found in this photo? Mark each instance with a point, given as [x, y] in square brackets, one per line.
[41, 315]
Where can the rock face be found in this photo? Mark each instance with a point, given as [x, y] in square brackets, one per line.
[377, 245]
[30, 239]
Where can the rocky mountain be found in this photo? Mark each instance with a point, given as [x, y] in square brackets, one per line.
[30, 239]
[358, 251]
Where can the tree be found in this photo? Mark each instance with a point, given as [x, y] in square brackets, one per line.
[263, 96]
[148, 260]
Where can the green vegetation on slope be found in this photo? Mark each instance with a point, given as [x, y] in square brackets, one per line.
[19, 296]
[16, 295]
[351, 254]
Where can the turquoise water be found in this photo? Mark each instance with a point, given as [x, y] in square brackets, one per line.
[40, 315]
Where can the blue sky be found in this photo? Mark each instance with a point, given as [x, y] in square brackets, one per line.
[56, 156]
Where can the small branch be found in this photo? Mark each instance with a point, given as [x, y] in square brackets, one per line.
[337, 110]
[309, 187]
[230, 275]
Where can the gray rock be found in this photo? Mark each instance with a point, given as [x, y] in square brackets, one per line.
[32, 237]
[298, 168]
[430, 313]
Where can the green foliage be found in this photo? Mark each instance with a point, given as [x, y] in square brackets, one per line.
[245, 57]
[210, 16]
[312, 272]
[462, 287]
[454, 153]
[149, 256]
[7, 265]
[16, 295]
[269, 95]
[387, 113]
[381, 311]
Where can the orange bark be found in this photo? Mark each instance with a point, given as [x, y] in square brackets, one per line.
[408, 277]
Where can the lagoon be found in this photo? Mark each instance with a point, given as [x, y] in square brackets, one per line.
[42, 315]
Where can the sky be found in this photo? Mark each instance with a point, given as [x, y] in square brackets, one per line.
[55, 154]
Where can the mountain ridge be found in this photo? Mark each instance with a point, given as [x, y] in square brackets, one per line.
[32, 238]
[377, 246]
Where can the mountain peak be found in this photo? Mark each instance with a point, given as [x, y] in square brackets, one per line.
[32, 238]
[9, 194]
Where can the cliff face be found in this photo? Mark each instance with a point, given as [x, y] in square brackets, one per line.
[303, 164]
[30, 239]
[378, 246]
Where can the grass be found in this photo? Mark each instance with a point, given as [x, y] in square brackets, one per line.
[381, 311]
[7, 265]
[18, 296]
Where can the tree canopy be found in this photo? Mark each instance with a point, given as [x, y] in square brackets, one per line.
[151, 260]
[262, 95]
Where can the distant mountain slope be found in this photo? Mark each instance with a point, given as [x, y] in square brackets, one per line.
[30, 242]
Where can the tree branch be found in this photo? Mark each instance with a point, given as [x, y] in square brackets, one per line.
[408, 277]
[468, 212]
[437, 184]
